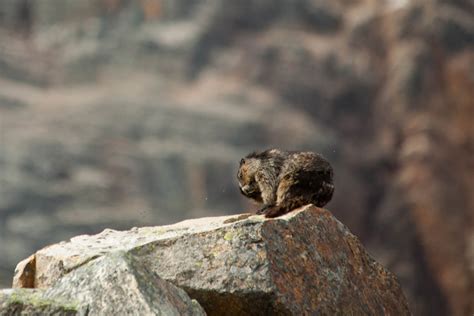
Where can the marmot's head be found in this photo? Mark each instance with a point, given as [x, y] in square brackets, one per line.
[246, 176]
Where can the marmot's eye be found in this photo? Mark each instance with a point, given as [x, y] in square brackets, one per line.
[242, 161]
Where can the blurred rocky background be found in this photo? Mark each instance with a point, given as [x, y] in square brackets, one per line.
[122, 113]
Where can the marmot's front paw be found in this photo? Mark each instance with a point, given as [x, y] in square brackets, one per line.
[263, 210]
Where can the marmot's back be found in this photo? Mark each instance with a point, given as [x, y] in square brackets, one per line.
[305, 178]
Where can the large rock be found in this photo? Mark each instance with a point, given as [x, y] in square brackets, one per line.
[300, 263]
[115, 284]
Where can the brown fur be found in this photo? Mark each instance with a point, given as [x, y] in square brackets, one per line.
[284, 180]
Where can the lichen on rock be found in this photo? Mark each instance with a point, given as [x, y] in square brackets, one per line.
[32, 302]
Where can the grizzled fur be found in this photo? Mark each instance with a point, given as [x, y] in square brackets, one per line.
[284, 180]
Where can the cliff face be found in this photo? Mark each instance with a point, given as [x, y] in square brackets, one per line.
[119, 113]
[305, 262]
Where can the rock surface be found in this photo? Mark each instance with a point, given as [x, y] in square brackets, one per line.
[114, 284]
[300, 263]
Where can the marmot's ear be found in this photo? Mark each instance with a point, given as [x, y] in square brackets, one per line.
[242, 161]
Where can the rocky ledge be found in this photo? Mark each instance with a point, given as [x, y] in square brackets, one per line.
[305, 262]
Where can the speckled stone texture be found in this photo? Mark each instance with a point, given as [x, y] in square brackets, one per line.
[119, 284]
[114, 284]
[305, 262]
